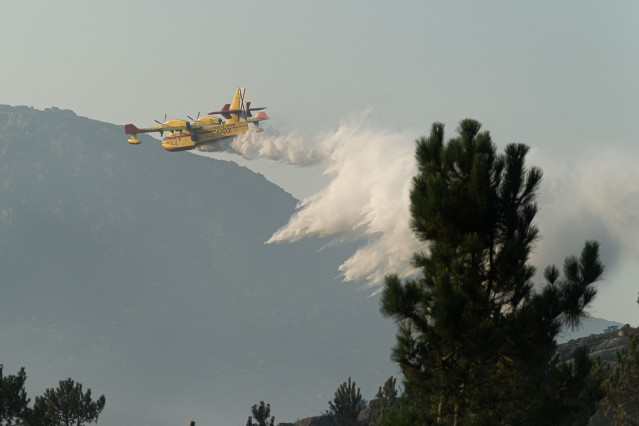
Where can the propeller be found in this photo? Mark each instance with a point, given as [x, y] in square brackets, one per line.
[162, 122]
[191, 118]
[243, 104]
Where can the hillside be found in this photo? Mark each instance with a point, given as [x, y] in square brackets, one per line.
[589, 326]
[144, 275]
[604, 345]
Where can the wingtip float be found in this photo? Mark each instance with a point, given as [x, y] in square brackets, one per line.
[183, 135]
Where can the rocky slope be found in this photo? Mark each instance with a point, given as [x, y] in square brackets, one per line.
[604, 345]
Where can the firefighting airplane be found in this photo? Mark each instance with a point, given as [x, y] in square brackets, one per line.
[184, 135]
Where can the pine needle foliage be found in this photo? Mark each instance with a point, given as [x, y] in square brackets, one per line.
[386, 402]
[622, 398]
[346, 404]
[476, 340]
[13, 397]
[67, 405]
[261, 414]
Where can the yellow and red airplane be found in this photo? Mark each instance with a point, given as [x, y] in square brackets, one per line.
[184, 135]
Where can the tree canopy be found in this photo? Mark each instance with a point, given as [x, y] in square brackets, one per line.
[67, 405]
[261, 414]
[346, 404]
[476, 339]
[13, 397]
[622, 399]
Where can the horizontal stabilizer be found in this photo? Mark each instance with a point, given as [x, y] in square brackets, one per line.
[225, 112]
[249, 109]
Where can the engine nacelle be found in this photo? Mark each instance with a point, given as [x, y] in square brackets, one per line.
[208, 120]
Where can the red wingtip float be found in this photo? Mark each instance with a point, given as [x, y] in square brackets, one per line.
[183, 135]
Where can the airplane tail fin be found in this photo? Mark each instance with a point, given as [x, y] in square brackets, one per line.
[237, 106]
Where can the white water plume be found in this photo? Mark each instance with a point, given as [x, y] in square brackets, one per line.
[597, 198]
[609, 189]
[290, 148]
[367, 198]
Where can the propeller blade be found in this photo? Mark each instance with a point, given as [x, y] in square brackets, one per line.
[162, 122]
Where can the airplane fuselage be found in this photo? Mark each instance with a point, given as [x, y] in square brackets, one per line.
[182, 140]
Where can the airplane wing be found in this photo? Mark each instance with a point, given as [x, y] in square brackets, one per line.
[132, 129]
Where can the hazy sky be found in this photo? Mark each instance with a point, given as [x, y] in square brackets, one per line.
[558, 76]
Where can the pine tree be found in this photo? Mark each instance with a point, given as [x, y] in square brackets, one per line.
[346, 404]
[386, 401]
[622, 396]
[475, 341]
[67, 405]
[388, 393]
[261, 414]
[13, 397]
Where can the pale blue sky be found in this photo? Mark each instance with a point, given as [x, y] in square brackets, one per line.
[558, 76]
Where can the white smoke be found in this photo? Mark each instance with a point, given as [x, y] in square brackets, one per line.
[367, 198]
